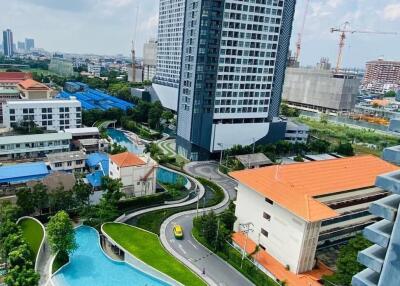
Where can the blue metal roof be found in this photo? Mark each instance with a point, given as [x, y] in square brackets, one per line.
[93, 98]
[94, 159]
[95, 178]
[21, 173]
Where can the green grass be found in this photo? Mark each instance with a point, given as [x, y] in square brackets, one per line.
[33, 234]
[147, 247]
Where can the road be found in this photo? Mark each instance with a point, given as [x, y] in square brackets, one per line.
[215, 268]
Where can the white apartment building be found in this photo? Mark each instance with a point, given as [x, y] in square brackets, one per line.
[138, 174]
[32, 146]
[296, 208]
[94, 69]
[55, 114]
[67, 161]
[296, 133]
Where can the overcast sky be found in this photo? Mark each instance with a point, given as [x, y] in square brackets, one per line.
[107, 26]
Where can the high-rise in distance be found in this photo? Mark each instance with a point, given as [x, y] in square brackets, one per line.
[233, 66]
[29, 44]
[8, 43]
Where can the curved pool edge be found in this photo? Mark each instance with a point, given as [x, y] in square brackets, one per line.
[175, 282]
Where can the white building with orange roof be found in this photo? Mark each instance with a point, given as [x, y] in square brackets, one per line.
[295, 209]
[137, 173]
[31, 89]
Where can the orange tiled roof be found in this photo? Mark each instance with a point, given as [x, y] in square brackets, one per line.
[127, 159]
[309, 278]
[294, 186]
[32, 84]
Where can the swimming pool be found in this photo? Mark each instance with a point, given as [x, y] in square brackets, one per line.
[89, 266]
[119, 137]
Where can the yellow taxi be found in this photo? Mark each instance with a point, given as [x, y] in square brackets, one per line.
[178, 231]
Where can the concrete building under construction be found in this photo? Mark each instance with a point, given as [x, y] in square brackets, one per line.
[321, 90]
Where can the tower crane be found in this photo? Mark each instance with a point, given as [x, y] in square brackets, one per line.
[300, 34]
[344, 30]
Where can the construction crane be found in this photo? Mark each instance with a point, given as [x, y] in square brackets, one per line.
[343, 35]
[300, 34]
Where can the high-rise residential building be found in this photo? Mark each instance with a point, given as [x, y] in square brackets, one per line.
[8, 45]
[381, 76]
[21, 46]
[233, 66]
[149, 59]
[382, 258]
[29, 44]
[169, 49]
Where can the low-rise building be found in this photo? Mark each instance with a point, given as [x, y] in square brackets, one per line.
[138, 174]
[392, 154]
[22, 173]
[67, 161]
[92, 145]
[32, 146]
[54, 114]
[295, 209]
[11, 79]
[7, 94]
[84, 133]
[382, 258]
[296, 133]
[255, 160]
[31, 89]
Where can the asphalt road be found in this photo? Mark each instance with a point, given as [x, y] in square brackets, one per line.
[207, 262]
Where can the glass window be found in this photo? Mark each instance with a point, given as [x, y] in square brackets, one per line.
[264, 232]
[266, 216]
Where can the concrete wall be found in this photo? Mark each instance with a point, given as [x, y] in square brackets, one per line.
[319, 88]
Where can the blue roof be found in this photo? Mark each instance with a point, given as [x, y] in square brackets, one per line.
[95, 178]
[94, 159]
[21, 173]
[93, 98]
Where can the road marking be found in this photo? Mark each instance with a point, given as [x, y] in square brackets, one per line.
[181, 248]
[192, 244]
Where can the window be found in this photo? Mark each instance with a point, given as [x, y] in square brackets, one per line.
[79, 162]
[58, 165]
[264, 232]
[69, 163]
[266, 216]
[61, 109]
[12, 118]
[12, 111]
[269, 201]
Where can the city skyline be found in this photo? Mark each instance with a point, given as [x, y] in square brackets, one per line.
[107, 27]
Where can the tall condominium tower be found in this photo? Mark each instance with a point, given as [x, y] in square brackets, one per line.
[169, 49]
[233, 65]
[8, 43]
[29, 44]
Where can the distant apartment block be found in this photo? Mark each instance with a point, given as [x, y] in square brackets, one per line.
[33, 146]
[49, 114]
[294, 209]
[67, 161]
[11, 79]
[138, 174]
[31, 89]
[320, 90]
[7, 94]
[382, 258]
[8, 43]
[61, 67]
[29, 44]
[94, 69]
[381, 76]
[296, 133]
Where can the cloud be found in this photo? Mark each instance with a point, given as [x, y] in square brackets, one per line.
[392, 12]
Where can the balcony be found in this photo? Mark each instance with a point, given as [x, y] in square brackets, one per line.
[386, 208]
[373, 257]
[366, 277]
[389, 182]
[379, 232]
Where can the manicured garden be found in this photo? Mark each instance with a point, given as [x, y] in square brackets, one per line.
[147, 247]
[33, 234]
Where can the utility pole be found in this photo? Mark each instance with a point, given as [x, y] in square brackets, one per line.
[247, 227]
[198, 198]
[222, 152]
[216, 238]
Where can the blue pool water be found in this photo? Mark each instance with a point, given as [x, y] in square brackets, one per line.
[89, 266]
[119, 137]
[167, 177]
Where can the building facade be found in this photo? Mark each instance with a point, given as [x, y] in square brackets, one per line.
[296, 133]
[67, 161]
[29, 44]
[48, 114]
[309, 204]
[320, 90]
[138, 174]
[31, 89]
[61, 66]
[7, 94]
[381, 76]
[10, 80]
[382, 258]
[233, 64]
[8, 44]
[33, 146]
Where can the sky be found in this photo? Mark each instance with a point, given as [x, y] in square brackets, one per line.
[108, 26]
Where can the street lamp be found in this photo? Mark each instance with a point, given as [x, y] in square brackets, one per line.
[247, 227]
[222, 152]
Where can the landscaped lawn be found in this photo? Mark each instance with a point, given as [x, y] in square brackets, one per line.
[147, 247]
[33, 234]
